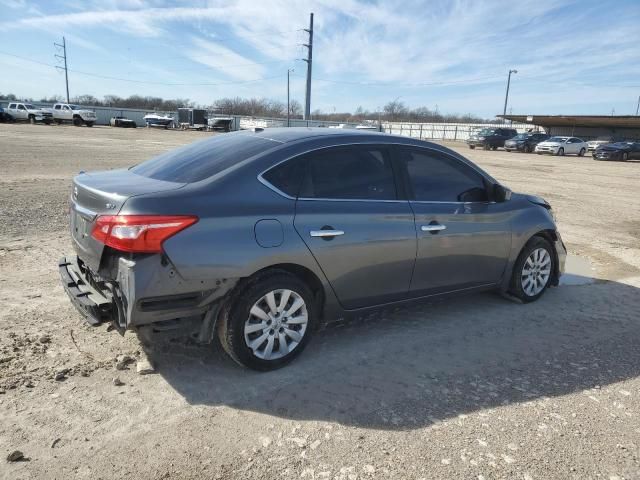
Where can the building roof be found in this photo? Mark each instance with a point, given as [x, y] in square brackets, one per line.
[607, 121]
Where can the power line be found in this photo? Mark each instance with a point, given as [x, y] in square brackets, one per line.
[143, 82]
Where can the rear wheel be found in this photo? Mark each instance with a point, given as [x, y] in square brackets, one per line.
[269, 322]
[625, 156]
[533, 270]
[582, 152]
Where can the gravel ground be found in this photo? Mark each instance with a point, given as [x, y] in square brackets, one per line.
[479, 387]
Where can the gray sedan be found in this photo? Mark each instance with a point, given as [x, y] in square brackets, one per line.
[260, 236]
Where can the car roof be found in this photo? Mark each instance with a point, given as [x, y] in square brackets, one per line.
[292, 134]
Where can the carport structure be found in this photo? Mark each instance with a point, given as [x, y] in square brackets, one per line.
[587, 127]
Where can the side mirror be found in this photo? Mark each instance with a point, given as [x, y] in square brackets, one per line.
[501, 193]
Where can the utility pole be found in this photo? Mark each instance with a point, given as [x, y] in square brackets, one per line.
[289, 70]
[638, 107]
[63, 57]
[309, 59]
[506, 97]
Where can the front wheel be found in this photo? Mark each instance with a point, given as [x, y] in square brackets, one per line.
[89, 124]
[582, 152]
[32, 120]
[625, 156]
[561, 152]
[269, 322]
[533, 270]
[77, 121]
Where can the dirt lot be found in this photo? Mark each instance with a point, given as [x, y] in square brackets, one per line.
[478, 388]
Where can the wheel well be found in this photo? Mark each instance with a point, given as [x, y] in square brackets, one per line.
[304, 274]
[551, 237]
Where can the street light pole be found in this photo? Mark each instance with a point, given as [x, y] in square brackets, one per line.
[638, 107]
[506, 97]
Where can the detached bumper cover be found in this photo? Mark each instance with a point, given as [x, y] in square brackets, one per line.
[94, 305]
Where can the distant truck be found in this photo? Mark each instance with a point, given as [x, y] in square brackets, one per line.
[27, 112]
[64, 112]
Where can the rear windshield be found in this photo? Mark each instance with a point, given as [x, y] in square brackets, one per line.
[203, 159]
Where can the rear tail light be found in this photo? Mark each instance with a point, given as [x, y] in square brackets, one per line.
[139, 233]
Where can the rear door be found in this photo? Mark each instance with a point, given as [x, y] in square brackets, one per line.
[463, 238]
[350, 215]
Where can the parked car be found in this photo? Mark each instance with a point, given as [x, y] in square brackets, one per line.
[593, 144]
[562, 146]
[122, 122]
[618, 151]
[263, 235]
[27, 112]
[491, 138]
[525, 142]
[4, 116]
[64, 112]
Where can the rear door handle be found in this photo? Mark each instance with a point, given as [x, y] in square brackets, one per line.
[326, 233]
[433, 228]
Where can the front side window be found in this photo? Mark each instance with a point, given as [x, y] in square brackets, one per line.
[57, 107]
[350, 173]
[436, 177]
[21, 107]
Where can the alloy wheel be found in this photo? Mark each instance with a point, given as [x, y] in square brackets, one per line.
[276, 325]
[536, 272]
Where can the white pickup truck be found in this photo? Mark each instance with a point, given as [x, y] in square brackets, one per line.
[73, 113]
[27, 112]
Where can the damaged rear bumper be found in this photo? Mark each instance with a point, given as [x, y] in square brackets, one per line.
[132, 293]
[93, 303]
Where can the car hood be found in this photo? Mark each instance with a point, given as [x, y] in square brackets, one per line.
[549, 144]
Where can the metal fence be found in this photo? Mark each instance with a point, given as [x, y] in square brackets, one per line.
[427, 131]
[445, 131]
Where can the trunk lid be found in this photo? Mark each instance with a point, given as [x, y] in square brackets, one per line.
[104, 193]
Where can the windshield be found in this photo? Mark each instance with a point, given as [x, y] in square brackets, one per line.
[558, 139]
[487, 131]
[522, 136]
[28, 106]
[203, 159]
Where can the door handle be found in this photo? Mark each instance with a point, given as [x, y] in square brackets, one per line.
[433, 228]
[326, 233]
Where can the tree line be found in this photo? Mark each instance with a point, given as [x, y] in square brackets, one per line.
[393, 111]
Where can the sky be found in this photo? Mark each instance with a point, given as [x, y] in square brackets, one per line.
[571, 57]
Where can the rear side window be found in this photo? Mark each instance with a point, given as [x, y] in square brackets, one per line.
[436, 177]
[203, 159]
[351, 173]
[286, 177]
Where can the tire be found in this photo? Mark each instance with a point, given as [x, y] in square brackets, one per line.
[472, 147]
[77, 121]
[32, 120]
[47, 122]
[529, 287]
[625, 156]
[528, 149]
[494, 148]
[582, 152]
[560, 152]
[251, 298]
[485, 147]
[89, 124]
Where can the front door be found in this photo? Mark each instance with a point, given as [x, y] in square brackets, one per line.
[350, 218]
[463, 238]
